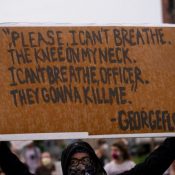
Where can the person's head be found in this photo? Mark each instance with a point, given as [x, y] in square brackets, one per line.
[30, 145]
[102, 146]
[80, 159]
[119, 152]
[46, 159]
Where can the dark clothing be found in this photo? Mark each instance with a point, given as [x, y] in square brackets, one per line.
[42, 170]
[80, 147]
[103, 159]
[9, 163]
[156, 163]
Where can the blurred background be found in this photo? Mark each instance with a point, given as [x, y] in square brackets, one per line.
[38, 154]
[44, 157]
[91, 11]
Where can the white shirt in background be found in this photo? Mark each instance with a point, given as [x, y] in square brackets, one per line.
[113, 168]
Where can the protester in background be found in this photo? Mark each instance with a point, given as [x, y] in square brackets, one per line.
[101, 151]
[47, 166]
[31, 156]
[120, 160]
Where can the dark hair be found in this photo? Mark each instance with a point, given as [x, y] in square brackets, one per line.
[100, 142]
[123, 149]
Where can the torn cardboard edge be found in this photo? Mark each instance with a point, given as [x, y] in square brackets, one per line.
[76, 135]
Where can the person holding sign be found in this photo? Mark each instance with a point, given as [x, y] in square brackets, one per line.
[80, 159]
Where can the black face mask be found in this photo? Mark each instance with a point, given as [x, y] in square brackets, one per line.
[84, 166]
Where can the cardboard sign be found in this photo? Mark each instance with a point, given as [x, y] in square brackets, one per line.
[95, 79]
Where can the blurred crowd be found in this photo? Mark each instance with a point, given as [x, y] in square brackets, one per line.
[117, 156]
